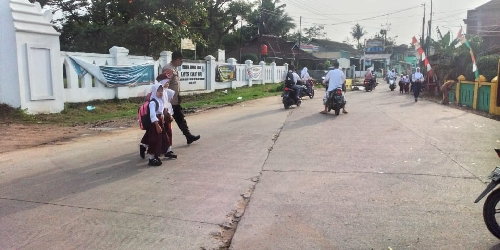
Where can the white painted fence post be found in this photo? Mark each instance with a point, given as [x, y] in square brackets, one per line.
[233, 62]
[249, 64]
[120, 55]
[211, 67]
[273, 72]
[263, 65]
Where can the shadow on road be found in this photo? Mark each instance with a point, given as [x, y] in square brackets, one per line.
[310, 120]
[496, 247]
[60, 182]
[252, 116]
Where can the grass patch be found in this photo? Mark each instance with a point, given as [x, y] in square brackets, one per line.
[77, 114]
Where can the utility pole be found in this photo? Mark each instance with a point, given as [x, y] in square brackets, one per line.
[241, 38]
[430, 35]
[300, 38]
[422, 40]
[260, 30]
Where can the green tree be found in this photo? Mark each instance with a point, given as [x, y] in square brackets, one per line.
[357, 32]
[317, 31]
[270, 19]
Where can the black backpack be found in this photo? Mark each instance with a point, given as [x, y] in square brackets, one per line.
[289, 79]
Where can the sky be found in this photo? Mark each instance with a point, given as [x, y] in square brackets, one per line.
[403, 17]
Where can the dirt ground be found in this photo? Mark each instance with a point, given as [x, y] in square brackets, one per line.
[19, 136]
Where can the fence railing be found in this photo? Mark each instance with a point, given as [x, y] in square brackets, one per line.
[480, 94]
[195, 76]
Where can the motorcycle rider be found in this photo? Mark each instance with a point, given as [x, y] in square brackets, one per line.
[336, 79]
[304, 75]
[369, 76]
[291, 80]
[418, 78]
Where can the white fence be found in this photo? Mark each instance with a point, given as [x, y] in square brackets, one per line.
[195, 76]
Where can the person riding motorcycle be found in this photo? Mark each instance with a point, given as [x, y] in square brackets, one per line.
[304, 75]
[336, 79]
[291, 80]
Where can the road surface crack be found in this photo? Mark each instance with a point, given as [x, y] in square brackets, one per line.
[228, 229]
[368, 172]
[105, 210]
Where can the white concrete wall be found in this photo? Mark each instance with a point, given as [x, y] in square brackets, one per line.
[9, 87]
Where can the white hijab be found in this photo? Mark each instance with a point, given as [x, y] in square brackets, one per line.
[304, 72]
[161, 101]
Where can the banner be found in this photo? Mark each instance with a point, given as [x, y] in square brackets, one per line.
[225, 73]
[192, 73]
[309, 48]
[254, 73]
[116, 76]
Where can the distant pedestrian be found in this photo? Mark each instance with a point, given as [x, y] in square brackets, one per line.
[172, 74]
[418, 78]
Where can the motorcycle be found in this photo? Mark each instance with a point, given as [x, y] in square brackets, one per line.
[289, 98]
[307, 89]
[392, 84]
[490, 205]
[336, 101]
[369, 85]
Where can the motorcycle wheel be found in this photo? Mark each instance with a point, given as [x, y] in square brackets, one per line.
[337, 111]
[312, 94]
[489, 213]
[286, 103]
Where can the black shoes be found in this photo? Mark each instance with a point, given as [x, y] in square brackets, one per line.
[170, 155]
[192, 138]
[155, 162]
[142, 151]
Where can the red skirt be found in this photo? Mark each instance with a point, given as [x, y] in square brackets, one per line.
[158, 143]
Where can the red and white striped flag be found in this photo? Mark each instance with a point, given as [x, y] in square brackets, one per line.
[421, 53]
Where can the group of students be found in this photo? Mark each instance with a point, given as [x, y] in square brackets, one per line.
[416, 81]
[164, 107]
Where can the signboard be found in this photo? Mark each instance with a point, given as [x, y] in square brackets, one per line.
[254, 73]
[192, 76]
[375, 45]
[225, 73]
[309, 48]
[187, 44]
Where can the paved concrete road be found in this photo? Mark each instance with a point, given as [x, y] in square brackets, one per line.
[392, 173]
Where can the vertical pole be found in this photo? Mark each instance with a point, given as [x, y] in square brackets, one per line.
[260, 31]
[430, 34]
[364, 57]
[422, 40]
[241, 37]
[300, 38]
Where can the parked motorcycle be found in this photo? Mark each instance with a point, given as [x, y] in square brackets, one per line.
[336, 101]
[289, 98]
[490, 209]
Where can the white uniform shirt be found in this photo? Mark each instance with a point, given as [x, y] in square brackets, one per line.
[306, 77]
[335, 78]
[418, 76]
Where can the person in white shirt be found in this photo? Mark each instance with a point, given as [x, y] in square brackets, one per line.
[336, 79]
[418, 79]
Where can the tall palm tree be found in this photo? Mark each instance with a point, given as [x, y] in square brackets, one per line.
[357, 33]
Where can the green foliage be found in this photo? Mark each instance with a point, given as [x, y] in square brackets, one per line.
[487, 66]
[250, 56]
[327, 64]
[317, 31]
